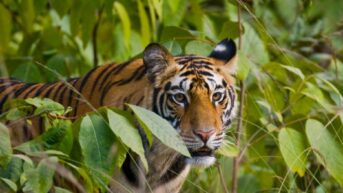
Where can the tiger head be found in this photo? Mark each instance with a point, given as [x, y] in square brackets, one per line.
[195, 94]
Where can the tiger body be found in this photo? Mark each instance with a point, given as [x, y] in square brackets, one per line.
[194, 93]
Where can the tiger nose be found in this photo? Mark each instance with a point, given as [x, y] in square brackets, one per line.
[204, 135]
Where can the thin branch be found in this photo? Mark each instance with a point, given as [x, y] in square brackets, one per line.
[236, 160]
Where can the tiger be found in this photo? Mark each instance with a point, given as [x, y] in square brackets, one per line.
[195, 94]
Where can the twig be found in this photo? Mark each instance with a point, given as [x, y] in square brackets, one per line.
[222, 181]
[236, 160]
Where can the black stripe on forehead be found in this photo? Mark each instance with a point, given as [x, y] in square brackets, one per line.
[205, 73]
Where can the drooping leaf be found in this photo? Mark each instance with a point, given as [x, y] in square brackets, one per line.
[40, 179]
[127, 132]
[328, 151]
[293, 149]
[97, 143]
[160, 128]
[5, 146]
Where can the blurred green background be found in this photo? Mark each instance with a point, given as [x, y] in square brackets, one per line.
[290, 61]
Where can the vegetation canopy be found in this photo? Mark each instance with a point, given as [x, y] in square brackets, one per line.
[287, 135]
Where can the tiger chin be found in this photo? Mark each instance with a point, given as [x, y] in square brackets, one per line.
[194, 93]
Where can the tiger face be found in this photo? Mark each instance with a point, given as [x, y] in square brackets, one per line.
[196, 95]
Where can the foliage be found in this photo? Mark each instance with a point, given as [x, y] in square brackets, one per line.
[290, 57]
[104, 138]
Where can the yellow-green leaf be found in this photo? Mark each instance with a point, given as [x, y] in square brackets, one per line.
[125, 21]
[328, 151]
[145, 26]
[160, 128]
[293, 149]
[5, 28]
[5, 145]
[128, 134]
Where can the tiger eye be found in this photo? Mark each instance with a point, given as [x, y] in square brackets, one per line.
[179, 97]
[217, 96]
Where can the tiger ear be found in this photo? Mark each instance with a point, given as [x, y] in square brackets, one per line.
[156, 59]
[225, 51]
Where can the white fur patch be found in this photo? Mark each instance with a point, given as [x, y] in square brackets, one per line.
[201, 161]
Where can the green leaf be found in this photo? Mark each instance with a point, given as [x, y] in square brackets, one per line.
[229, 30]
[48, 140]
[294, 70]
[257, 53]
[328, 151]
[61, 6]
[40, 179]
[16, 108]
[125, 21]
[173, 15]
[97, 142]
[175, 33]
[58, 64]
[127, 132]
[61, 190]
[10, 184]
[75, 15]
[27, 14]
[27, 72]
[243, 67]
[160, 128]
[5, 29]
[228, 149]
[197, 47]
[314, 92]
[293, 149]
[144, 22]
[173, 47]
[13, 169]
[46, 105]
[5, 146]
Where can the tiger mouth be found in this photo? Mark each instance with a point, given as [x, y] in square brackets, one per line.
[204, 151]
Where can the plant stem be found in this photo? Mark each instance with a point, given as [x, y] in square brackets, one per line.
[236, 160]
[222, 181]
